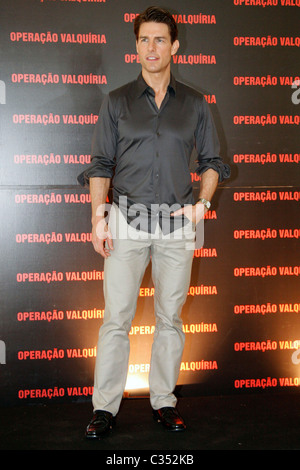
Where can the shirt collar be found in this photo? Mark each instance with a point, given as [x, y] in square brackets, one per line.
[142, 86]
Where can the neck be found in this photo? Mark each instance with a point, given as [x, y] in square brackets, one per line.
[159, 82]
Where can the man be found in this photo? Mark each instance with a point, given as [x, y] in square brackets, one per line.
[145, 134]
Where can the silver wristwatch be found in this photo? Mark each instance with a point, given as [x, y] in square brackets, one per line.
[206, 203]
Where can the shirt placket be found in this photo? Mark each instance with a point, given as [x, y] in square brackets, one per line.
[156, 160]
[157, 150]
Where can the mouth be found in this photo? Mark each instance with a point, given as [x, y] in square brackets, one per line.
[152, 58]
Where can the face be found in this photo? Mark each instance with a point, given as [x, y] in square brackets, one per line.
[154, 47]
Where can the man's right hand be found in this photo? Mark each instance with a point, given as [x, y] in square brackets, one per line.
[101, 237]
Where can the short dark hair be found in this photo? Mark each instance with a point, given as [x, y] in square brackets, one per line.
[158, 15]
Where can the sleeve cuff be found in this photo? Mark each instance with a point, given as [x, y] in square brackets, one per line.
[221, 168]
[84, 177]
[96, 169]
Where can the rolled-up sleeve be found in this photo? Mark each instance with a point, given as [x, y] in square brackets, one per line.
[208, 146]
[104, 144]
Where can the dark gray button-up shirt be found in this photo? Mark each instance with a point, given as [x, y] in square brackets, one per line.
[146, 150]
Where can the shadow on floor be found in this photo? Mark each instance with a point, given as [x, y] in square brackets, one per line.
[250, 422]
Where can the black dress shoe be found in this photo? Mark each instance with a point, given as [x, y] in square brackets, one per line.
[169, 418]
[100, 425]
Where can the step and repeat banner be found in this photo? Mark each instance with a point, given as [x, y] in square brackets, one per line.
[59, 58]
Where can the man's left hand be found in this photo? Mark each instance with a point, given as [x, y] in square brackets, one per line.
[193, 212]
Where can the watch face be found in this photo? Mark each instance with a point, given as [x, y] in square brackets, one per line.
[205, 203]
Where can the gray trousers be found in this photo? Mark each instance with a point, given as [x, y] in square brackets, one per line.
[123, 273]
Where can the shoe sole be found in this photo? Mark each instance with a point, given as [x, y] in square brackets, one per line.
[169, 428]
[100, 436]
[97, 436]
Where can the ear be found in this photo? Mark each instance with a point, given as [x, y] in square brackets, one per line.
[175, 47]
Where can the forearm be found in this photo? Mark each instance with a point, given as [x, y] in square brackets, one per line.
[208, 184]
[99, 188]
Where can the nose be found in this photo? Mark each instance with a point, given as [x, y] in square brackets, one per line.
[151, 45]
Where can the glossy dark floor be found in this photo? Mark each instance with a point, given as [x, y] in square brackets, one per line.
[249, 422]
